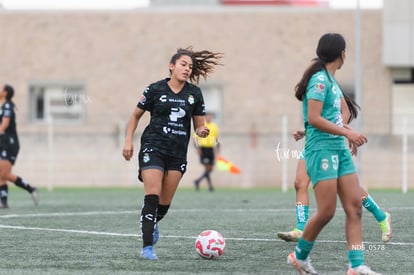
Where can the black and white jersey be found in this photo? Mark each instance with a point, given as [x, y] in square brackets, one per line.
[169, 130]
[7, 110]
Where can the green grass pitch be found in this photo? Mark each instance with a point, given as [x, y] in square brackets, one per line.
[96, 231]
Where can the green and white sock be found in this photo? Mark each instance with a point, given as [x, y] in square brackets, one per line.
[373, 207]
[302, 216]
[303, 248]
[355, 258]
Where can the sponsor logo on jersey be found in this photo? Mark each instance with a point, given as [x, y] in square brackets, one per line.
[334, 89]
[166, 129]
[176, 113]
[163, 98]
[321, 77]
[337, 103]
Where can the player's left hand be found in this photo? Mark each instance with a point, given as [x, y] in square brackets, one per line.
[354, 148]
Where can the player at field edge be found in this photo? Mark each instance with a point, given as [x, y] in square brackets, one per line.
[173, 103]
[302, 181]
[9, 148]
[207, 148]
[328, 160]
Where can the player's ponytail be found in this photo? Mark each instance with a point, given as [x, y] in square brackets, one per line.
[300, 88]
[352, 106]
[203, 62]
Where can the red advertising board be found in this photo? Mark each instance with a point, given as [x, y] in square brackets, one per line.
[276, 2]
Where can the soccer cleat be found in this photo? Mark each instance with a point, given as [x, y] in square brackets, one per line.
[303, 267]
[290, 236]
[35, 196]
[361, 270]
[4, 206]
[148, 253]
[156, 235]
[385, 227]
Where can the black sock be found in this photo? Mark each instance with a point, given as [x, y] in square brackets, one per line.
[23, 184]
[200, 178]
[4, 191]
[207, 175]
[162, 211]
[148, 216]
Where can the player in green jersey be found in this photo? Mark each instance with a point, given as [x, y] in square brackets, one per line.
[302, 181]
[173, 103]
[328, 160]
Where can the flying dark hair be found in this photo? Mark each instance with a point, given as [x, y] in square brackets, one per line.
[203, 62]
[352, 106]
[330, 47]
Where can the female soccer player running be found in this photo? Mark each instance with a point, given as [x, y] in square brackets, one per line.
[172, 102]
[328, 159]
[302, 180]
[9, 148]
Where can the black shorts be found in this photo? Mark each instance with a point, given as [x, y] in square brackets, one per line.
[149, 158]
[207, 155]
[9, 149]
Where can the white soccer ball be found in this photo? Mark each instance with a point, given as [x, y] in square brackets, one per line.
[210, 244]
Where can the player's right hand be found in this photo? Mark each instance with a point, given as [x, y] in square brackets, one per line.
[297, 135]
[356, 138]
[128, 151]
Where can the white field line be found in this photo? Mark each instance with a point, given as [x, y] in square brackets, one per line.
[197, 210]
[74, 231]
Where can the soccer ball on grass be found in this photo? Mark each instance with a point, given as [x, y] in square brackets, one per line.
[210, 244]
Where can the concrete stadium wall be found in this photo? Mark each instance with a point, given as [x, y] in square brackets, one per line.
[117, 54]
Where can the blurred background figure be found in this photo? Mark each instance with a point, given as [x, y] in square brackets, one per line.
[9, 147]
[208, 149]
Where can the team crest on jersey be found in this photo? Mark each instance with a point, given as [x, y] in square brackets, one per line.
[191, 99]
[320, 88]
[325, 164]
[143, 99]
[146, 158]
